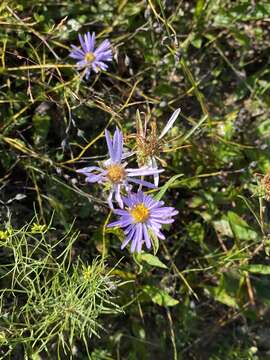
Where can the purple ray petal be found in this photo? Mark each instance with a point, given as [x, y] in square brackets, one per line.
[146, 237]
[83, 45]
[88, 169]
[120, 212]
[136, 238]
[118, 145]
[162, 221]
[143, 171]
[103, 47]
[128, 238]
[92, 178]
[169, 123]
[142, 182]
[109, 143]
[156, 176]
[118, 197]
[109, 200]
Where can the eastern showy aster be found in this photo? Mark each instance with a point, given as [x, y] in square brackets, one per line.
[90, 58]
[114, 172]
[142, 214]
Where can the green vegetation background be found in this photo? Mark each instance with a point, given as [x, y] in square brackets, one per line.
[205, 294]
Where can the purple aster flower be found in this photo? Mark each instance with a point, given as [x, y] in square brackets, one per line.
[90, 58]
[142, 216]
[114, 172]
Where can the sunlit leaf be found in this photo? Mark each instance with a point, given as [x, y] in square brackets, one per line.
[257, 269]
[159, 296]
[152, 260]
[240, 228]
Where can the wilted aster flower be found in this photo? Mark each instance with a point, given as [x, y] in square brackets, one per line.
[142, 215]
[114, 172]
[265, 183]
[150, 145]
[90, 58]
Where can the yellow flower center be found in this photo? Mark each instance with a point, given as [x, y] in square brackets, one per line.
[116, 173]
[89, 57]
[140, 213]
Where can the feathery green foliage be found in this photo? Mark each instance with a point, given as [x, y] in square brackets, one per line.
[48, 298]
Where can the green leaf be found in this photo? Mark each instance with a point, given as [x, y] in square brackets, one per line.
[223, 227]
[117, 232]
[152, 260]
[199, 8]
[36, 356]
[154, 240]
[227, 289]
[261, 287]
[136, 258]
[195, 201]
[197, 42]
[242, 12]
[166, 186]
[41, 125]
[196, 232]
[240, 228]
[257, 269]
[159, 296]
[240, 37]
[220, 294]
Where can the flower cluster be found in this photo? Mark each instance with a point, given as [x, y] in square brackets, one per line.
[140, 215]
[114, 172]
